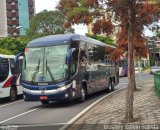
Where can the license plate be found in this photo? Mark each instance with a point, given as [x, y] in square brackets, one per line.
[43, 97]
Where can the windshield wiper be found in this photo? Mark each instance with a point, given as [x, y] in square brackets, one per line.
[35, 72]
[49, 71]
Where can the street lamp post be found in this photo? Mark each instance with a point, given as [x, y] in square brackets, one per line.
[10, 33]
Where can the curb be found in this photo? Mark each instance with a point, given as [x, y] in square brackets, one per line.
[83, 112]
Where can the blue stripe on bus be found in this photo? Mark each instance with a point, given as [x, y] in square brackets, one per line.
[48, 87]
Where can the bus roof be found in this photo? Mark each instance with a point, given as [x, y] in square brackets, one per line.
[7, 56]
[63, 39]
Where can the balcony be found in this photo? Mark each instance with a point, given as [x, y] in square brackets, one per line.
[13, 1]
[12, 22]
[14, 7]
[8, 7]
[11, 7]
[15, 14]
[9, 1]
[31, 4]
[9, 22]
[15, 22]
[12, 14]
[31, 10]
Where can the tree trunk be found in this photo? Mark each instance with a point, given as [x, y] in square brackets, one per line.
[131, 71]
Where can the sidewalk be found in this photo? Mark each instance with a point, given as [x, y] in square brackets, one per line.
[111, 110]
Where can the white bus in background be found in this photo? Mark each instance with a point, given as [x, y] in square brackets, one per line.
[10, 77]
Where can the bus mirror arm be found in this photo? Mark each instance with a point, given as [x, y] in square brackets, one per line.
[69, 57]
[16, 58]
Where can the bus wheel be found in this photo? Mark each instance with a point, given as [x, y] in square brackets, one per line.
[13, 94]
[110, 86]
[44, 102]
[82, 95]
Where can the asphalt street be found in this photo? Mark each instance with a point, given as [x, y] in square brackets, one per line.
[55, 114]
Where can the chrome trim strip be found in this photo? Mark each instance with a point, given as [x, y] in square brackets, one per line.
[40, 92]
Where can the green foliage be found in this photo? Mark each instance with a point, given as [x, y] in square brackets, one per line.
[158, 34]
[47, 23]
[104, 39]
[152, 61]
[10, 45]
[77, 10]
[146, 68]
[4, 51]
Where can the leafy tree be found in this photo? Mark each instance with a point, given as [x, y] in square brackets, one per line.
[5, 52]
[129, 16]
[10, 45]
[47, 23]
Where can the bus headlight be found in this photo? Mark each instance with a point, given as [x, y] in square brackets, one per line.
[26, 90]
[62, 88]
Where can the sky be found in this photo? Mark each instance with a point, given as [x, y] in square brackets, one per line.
[41, 5]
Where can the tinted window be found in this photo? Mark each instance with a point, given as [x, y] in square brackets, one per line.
[45, 64]
[75, 57]
[83, 53]
[4, 69]
[16, 70]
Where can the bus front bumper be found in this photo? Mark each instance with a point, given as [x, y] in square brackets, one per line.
[51, 95]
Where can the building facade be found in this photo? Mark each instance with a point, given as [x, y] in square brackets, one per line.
[15, 16]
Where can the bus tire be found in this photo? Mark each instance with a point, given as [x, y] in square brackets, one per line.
[82, 95]
[44, 102]
[13, 94]
[110, 86]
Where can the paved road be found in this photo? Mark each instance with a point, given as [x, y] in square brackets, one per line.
[33, 113]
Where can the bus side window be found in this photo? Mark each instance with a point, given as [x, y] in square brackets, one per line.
[83, 53]
[4, 69]
[75, 54]
[83, 56]
[18, 69]
[12, 66]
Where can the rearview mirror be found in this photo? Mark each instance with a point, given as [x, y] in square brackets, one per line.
[69, 57]
[16, 62]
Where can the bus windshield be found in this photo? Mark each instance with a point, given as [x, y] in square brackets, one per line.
[45, 64]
